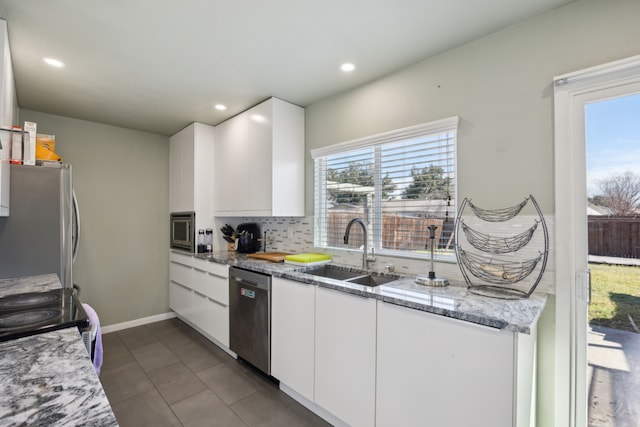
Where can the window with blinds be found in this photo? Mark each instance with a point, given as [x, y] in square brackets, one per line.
[399, 183]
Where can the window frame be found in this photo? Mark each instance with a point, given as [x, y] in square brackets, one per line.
[447, 125]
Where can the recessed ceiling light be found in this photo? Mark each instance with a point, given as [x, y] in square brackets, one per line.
[54, 62]
[220, 107]
[347, 67]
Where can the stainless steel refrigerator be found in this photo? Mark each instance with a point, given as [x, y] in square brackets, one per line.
[41, 233]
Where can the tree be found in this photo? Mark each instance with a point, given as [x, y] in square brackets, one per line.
[428, 183]
[359, 174]
[620, 193]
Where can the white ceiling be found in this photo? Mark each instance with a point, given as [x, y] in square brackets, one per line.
[158, 65]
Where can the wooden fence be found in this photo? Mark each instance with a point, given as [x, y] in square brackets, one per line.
[614, 236]
[398, 232]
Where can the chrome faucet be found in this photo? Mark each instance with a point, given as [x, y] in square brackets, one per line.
[365, 256]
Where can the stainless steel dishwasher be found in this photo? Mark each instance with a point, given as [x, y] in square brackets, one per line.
[250, 317]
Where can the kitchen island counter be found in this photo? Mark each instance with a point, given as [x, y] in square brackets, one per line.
[48, 380]
[453, 301]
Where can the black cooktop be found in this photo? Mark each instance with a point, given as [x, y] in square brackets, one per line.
[33, 313]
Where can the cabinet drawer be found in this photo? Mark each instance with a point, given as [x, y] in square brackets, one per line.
[181, 273]
[180, 257]
[218, 269]
[214, 268]
[200, 264]
[214, 287]
[181, 300]
[212, 318]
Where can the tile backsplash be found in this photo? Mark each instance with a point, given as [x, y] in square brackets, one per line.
[295, 235]
[284, 234]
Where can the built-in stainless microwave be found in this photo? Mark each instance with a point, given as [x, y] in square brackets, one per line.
[182, 232]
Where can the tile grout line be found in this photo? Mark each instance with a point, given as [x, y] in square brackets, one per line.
[173, 345]
[196, 374]
[147, 375]
[154, 385]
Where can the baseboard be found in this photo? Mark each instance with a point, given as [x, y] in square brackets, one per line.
[207, 336]
[322, 413]
[137, 322]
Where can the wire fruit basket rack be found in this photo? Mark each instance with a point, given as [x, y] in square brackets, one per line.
[505, 276]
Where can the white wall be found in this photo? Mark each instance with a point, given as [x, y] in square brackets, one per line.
[121, 179]
[501, 87]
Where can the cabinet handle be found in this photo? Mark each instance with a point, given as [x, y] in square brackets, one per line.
[210, 299]
[181, 264]
[346, 293]
[245, 282]
[181, 285]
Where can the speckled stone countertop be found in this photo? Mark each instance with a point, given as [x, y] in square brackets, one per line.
[48, 379]
[19, 285]
[453, 301]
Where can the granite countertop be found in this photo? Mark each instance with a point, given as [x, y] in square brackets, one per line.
[48, 379]
[20, 285]
[454, 301]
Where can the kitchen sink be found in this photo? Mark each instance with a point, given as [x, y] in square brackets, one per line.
[359, 277]
[372, 280]
[334, 272]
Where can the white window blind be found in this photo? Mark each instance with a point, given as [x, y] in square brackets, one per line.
[399, 183]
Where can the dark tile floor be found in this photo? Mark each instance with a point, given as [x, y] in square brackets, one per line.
[167, 374]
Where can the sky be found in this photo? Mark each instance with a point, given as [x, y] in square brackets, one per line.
[613, 139]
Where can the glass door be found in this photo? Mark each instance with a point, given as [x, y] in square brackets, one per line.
[573, 92]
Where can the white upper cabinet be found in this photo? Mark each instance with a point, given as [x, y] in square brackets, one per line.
[181, 169]
[191, 172]
[230, 149]
[259, 162]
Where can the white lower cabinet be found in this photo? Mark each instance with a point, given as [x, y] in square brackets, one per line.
[345, 356]
[199, 294]
[293, 335]
[432, 370]
[363, 362]
[180, 300]
[212, 318]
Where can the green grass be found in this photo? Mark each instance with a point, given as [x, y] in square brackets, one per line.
[615, 297]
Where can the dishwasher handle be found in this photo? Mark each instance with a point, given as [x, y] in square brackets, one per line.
[242, 281]
[245, 282]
